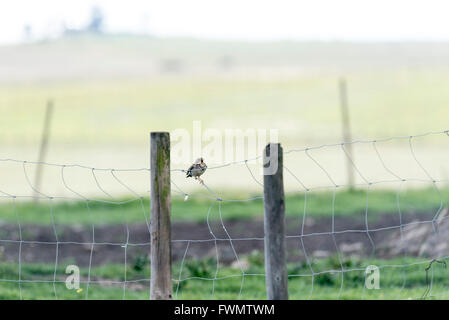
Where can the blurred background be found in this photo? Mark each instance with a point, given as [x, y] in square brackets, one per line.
[114, 71]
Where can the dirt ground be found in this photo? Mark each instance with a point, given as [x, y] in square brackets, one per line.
[74, 243]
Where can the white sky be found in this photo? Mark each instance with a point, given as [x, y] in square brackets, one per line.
[237, 19]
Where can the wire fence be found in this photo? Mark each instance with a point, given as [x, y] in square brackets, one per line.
[309, 277]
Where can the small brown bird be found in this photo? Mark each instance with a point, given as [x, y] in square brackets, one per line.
[197, 169]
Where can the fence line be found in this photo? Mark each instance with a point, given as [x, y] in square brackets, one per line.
[217, 201]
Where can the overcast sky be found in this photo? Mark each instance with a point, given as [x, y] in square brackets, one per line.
[357, 20]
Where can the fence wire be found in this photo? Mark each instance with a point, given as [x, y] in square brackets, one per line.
[215, 203]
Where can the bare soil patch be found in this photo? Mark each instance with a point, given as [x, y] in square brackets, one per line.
[314, 238]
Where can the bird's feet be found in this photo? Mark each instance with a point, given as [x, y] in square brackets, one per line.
[201, 181]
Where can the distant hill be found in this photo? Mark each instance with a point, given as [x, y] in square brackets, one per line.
[84, 57]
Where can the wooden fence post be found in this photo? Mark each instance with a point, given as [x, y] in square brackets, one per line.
[160, 228]
[43, 149]
[346, 128]
[274, 224]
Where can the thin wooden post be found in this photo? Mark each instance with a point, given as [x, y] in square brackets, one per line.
[274, 224]
[160, 228]
[43, 148]
[346, 128]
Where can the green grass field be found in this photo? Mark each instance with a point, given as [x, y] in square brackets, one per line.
[319, 204]
[399, 279]
[122, 112]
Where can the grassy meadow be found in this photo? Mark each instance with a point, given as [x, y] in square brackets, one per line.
[134, 211]
[304, 106]
[201, 278]
[400, 279]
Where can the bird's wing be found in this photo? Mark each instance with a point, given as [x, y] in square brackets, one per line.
[190, 172]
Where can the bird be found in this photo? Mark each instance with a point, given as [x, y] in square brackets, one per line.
[197, 169]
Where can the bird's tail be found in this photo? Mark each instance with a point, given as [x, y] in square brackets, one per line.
[188, 174]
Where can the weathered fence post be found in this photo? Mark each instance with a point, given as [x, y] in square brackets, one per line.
[346, 129]
[43, 149]
[160, 228]
[274, 224]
